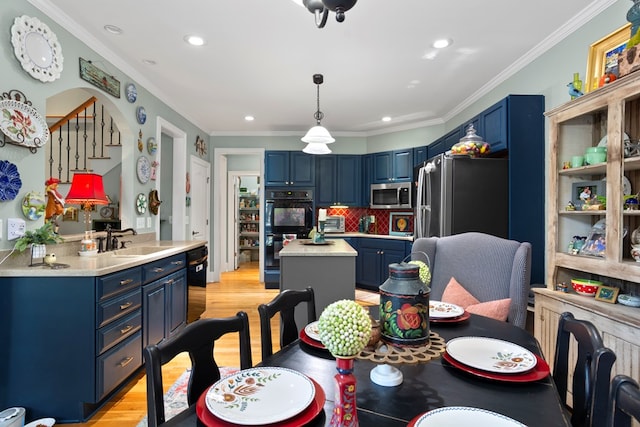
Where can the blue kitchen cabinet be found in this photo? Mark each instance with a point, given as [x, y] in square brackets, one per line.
[435, 148]
[493, 122]
[340, 180]
[419, 155]
[153, 305]
[393, 166]
[374, 257]
[367, 178]
[452, 138]
[289, 168]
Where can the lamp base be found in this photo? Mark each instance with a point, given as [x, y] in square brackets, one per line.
[386, 375]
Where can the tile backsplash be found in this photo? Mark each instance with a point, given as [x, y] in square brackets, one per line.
[352, 218]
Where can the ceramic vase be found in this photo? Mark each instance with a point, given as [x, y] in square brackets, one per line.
[344, 411]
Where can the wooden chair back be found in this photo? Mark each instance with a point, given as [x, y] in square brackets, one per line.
[624, 402]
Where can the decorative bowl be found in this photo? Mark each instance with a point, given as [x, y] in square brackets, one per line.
[585, 287]
[630, 300]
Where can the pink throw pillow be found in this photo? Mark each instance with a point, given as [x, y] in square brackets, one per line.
[455, 293]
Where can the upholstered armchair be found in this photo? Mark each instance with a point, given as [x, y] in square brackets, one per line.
[489, 267]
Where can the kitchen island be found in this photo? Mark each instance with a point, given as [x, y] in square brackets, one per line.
[330, 269]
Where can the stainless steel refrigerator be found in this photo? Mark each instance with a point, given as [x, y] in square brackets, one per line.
[460, 194]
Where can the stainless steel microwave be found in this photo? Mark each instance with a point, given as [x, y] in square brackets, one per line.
[395, 195]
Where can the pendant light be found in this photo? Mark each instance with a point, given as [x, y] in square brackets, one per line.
[321, 8]
[318, 134]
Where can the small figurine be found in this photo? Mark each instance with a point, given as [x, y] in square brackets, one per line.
[55, 201]
[573, 92]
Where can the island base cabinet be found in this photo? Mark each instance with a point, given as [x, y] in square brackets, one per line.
[117, 364]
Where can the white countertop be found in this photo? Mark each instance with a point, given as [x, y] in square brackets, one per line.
[338, 247]
[408, 238]
[101, 264]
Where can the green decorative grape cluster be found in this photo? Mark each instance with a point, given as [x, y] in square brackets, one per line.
[425, 273]
[345, 328]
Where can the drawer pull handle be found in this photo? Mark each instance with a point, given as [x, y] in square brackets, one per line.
[126, 329]
[176, 262]
[169, 282]
[126, 361]
[125, 306]
[125, 282]
[158, 270]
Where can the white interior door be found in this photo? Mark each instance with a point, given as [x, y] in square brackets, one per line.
[200, 187]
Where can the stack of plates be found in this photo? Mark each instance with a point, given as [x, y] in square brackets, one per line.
[311, 336]
[495, 359]
[444, 312]
[258, 396]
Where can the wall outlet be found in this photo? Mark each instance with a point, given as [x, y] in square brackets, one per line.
[139, 223]
[1, 224]
[148, 222]
[15, 228]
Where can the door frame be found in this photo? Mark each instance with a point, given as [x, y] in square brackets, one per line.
[193, 160]
[232, 213]
[179, 154]
[220, 189]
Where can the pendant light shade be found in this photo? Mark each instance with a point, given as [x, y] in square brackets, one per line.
[316, 148]
[318, 134]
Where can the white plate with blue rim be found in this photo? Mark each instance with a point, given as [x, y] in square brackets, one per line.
[454, 416]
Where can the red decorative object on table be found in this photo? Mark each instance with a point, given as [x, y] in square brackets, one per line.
[344, 411]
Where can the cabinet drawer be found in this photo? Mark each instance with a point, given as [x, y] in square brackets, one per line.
[117, 364]
[118, 307]
[118, 331]
[119, 282]
[156, 269]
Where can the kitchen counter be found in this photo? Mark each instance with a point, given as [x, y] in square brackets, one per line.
[408, 238]
[304, 247]
[104, 263]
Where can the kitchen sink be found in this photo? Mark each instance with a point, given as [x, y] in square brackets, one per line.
[138, 250]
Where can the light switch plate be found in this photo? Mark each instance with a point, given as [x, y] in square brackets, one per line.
[148, 222]
[139, 223]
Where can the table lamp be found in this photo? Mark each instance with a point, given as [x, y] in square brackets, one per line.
[87, 190]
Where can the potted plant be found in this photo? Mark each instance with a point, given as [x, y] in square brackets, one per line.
[38, 239]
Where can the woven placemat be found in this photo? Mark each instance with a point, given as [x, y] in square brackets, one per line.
[385, 353]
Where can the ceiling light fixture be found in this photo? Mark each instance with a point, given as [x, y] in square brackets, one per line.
[321, 8]
[194, 40]
[386, 119]
[442, 43]
[318, 134]
[249, 118]
[113, 29]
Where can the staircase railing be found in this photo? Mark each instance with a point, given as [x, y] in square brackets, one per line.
[75, 140]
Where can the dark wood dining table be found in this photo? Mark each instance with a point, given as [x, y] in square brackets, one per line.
[427, 386]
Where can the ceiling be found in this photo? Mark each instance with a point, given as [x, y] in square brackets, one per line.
[259, 57]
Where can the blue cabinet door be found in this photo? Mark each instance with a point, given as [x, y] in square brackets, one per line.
[382, 167]
[494, 125]
[419, 155]
[403, 165]
[276, 167]
[154, 313]
[367, 178]
[452, 138]
[301, 169]
[368, 267]
[349, 182]
[326, 184]
[435, 148]
[176, 291]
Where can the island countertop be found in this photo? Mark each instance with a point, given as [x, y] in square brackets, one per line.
[104, 263]
[305, 248]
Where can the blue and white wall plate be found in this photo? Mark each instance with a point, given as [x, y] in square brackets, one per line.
[131, 92]
[141, 115]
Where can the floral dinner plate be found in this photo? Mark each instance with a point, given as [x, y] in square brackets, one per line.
[260, 396]
[491, 354]
[454, 416]
[23, 124]
[312, 331]
[444, 310]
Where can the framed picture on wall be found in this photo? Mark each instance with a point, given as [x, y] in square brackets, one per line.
[400, 223]
[603, 56]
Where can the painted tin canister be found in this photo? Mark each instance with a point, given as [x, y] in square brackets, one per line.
[404, 307]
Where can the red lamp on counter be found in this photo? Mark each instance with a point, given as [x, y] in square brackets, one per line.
[87, 190]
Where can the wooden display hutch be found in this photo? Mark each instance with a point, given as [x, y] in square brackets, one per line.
[610, 111]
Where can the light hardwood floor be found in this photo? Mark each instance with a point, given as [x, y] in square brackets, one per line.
[237, 290]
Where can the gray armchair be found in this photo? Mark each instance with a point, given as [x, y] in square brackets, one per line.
[489, 267]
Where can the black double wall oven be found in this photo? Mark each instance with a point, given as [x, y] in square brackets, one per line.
[288, 215]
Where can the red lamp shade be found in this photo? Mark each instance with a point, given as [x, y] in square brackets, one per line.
[86, 189]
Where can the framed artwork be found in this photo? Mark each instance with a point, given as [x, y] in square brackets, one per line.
[400, 223]
[603, 56]
[584, 191]
[70, 214]
[607, 294]
[99, 78]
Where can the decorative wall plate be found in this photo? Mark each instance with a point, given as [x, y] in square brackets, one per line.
[10, 182]
[152, 146]
[106, 212]
[141, 115]
[23, 124]
[141, 203]
[33, 205]
[131, 92]
[37, 48]
[143, 169]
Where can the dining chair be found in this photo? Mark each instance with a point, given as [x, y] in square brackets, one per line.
[284, 303]
[624, 402]
[489, 267]
[197, 339]
[591, 372]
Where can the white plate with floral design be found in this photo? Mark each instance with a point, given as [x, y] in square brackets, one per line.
[259, 396]
[444, 310]
[491, 354]
[454, 416]
[312, 331]
[23, 124]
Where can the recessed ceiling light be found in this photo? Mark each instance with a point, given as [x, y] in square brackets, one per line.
[194, 40]
[386, 119]
[149, 61]
[249, 118]
[113, 29]
[442, 43]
